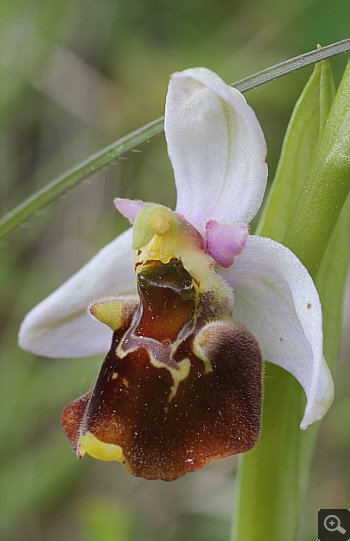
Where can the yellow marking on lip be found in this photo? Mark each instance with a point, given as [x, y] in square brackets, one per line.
[98, 449]
[178, 375]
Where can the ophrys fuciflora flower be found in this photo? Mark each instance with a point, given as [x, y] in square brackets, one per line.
[181, 384]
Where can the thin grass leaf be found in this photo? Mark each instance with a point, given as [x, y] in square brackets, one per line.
[73, 176]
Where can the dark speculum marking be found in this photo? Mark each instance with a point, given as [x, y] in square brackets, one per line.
[166, 430]
[167, 295]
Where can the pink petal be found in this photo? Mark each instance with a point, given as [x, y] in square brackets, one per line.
[225, 241]
[129, 208]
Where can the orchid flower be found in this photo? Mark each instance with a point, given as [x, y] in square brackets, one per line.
[182, 382]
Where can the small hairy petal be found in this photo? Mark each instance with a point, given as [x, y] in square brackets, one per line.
[276, 298]
[225, 241]
[59, 326]
[216, 147]
[129, 208]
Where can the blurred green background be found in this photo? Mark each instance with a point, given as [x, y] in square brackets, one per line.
[75, 76]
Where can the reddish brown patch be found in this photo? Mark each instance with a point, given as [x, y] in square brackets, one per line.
[211, 415]
[167, 295]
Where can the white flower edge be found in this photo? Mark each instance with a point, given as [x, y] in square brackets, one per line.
[216, 147]
[276, 298]
[60, 326]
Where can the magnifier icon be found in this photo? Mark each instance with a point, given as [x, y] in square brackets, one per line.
[332, 524]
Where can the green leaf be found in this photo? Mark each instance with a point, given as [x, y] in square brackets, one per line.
[273, 476]
[326, 187]
[298, 150]
[330, 284]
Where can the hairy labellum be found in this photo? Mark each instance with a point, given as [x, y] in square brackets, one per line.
[181, 384]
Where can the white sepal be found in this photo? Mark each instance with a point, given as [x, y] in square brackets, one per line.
[60, 326]
[216, 147]
[277, 299]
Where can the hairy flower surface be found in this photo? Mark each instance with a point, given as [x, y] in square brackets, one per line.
[181, 384]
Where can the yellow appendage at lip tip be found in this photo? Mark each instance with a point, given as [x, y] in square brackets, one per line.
[98, 449]
[109, 312]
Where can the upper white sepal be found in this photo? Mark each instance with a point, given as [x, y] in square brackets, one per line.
[216, 147]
